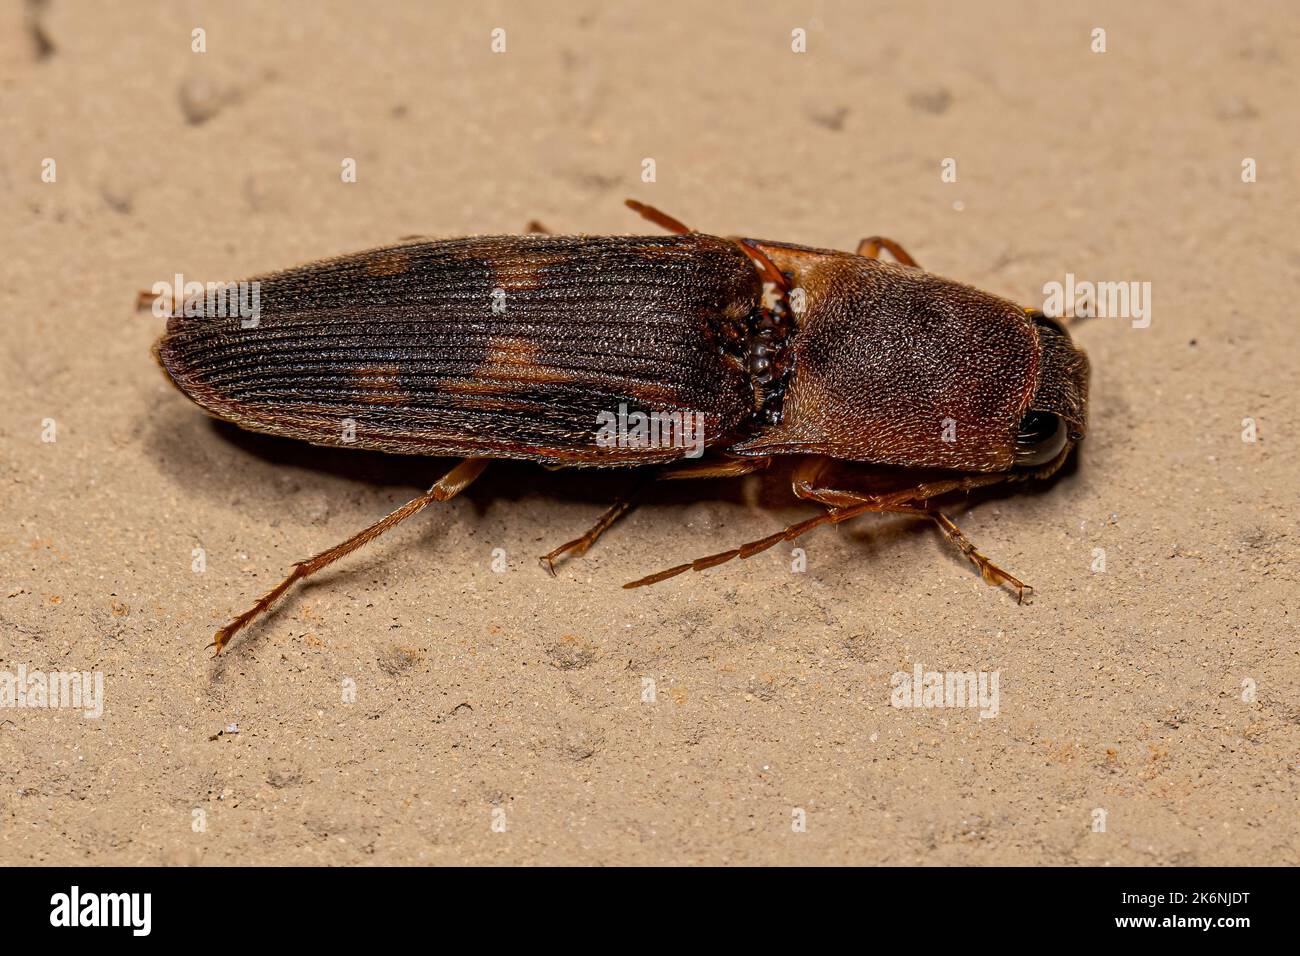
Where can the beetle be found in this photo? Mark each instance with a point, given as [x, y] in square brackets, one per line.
[889, 385]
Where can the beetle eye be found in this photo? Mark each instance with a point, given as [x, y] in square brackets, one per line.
[1040, 438]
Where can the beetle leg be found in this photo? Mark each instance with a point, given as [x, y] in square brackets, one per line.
[659, 218]
[844, 505]
[990, 572]
[749, 247]
[766, 267]
[871, 246]
[806, 486]
[834, 516]
[726, 468]
[446, 487]
[145, 299]
[722, 468]
[578, 546]
[887, 485]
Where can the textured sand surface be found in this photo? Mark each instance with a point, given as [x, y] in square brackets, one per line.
[1163, 691]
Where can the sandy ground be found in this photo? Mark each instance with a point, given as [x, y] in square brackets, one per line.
[500, 717]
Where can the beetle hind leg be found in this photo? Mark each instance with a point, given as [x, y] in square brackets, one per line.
[446, 487]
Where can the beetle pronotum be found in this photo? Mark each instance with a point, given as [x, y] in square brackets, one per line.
[891, 385]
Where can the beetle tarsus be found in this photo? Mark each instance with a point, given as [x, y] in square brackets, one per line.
[578, 547]
[223, 636]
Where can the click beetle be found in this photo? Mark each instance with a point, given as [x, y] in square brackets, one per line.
[691, 355]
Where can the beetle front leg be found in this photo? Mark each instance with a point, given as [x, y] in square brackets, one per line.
[871, 246]
[990, 572]
[806, 485]
[844, 505]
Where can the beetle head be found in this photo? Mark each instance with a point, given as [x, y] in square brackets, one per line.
[1058, 411]
[899, 367]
